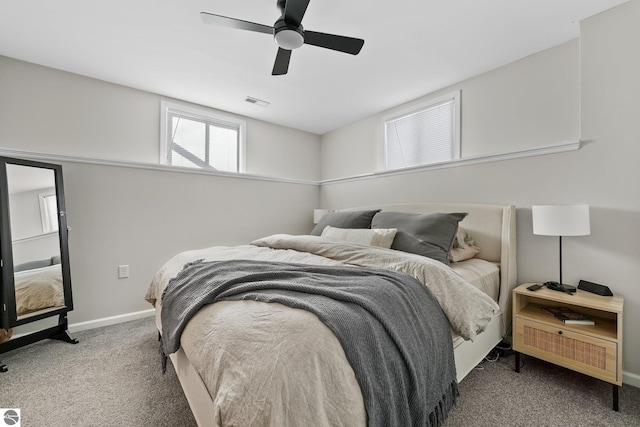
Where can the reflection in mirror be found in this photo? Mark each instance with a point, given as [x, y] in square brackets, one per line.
[35, 240]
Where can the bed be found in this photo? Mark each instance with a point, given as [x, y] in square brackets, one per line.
[226, 384]
[38, 286]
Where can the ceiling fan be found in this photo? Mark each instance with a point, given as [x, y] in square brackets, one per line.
[288, 33]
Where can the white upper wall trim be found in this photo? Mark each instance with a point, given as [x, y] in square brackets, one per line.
[529, 152]
[150, 166]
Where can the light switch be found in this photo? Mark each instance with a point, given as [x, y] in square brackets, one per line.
[123, 271]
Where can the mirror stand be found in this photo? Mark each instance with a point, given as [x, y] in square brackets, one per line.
[59, 332]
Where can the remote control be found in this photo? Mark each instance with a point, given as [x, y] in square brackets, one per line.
[534, 287]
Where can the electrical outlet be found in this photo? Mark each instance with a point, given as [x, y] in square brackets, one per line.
[123, 271]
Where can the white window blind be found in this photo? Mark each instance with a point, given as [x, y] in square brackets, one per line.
[428, 134]
[196, 139]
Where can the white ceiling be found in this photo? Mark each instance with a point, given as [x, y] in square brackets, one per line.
[412, 48]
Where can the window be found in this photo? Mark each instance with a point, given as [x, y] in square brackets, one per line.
[427, 134]
[48, 211]
[198, 139]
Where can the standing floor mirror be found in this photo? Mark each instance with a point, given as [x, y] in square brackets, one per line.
[34, 254]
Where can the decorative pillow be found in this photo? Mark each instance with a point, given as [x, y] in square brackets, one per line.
[345, 219]
[429, 235]
[463, 238]
[463, 246]
[461, 254]
[380, 237]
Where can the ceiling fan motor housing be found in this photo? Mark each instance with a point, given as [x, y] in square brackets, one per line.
[288, 36]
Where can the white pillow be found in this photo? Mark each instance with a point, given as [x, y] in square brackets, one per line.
[379, 237]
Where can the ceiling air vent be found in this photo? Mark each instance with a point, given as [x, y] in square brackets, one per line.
[257, 101]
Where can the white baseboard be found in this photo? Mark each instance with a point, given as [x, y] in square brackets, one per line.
[106, 321]
[631, 379]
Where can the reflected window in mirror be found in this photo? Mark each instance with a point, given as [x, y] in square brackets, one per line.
[49, 211]
[31, 193]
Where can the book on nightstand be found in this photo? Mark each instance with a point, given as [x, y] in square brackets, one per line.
[568, 316]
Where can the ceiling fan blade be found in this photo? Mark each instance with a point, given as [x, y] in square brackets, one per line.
[294, 11]
[224, 21]
[331, 41]
[281, 65]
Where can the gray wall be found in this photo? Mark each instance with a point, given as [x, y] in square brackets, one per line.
[121, 215]
[586, 90]
[123, 211]
[50, 111]
[529, 103]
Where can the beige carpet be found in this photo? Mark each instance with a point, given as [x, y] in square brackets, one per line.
[542, 394]
[113, 378]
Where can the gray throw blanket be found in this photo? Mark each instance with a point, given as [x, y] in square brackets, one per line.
[393, 332]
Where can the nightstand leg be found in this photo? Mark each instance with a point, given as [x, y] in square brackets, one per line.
[615, 397]
[517, 362]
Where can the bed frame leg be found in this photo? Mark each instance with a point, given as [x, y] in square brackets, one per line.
[615, 398]
[517, 362]
[3, 368]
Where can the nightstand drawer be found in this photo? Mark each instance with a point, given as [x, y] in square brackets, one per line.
[593, 356]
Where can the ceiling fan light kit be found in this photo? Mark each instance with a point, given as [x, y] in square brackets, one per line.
[288, 37]
[288, 33]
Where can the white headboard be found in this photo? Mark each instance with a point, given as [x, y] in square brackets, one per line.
[493, 228]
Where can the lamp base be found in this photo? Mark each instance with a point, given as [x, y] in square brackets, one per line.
[555, 286]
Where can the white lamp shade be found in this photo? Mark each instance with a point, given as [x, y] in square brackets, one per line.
[561, 220]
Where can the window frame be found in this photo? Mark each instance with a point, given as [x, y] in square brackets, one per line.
[200, 114]
[419, 108]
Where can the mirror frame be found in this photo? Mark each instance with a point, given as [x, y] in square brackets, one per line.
[8, 315]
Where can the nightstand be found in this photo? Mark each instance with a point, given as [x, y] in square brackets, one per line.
[594, 350]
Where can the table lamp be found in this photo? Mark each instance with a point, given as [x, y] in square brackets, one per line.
[561, 220]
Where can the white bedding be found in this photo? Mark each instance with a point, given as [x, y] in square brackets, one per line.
[38, 289]
[484, 275]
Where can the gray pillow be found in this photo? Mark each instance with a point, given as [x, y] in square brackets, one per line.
[31, 265]
[345, 219]
[429, 235]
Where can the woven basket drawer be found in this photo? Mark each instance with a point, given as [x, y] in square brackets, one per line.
[583, 353]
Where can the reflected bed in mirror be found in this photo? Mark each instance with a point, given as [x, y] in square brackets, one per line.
[38, 286]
